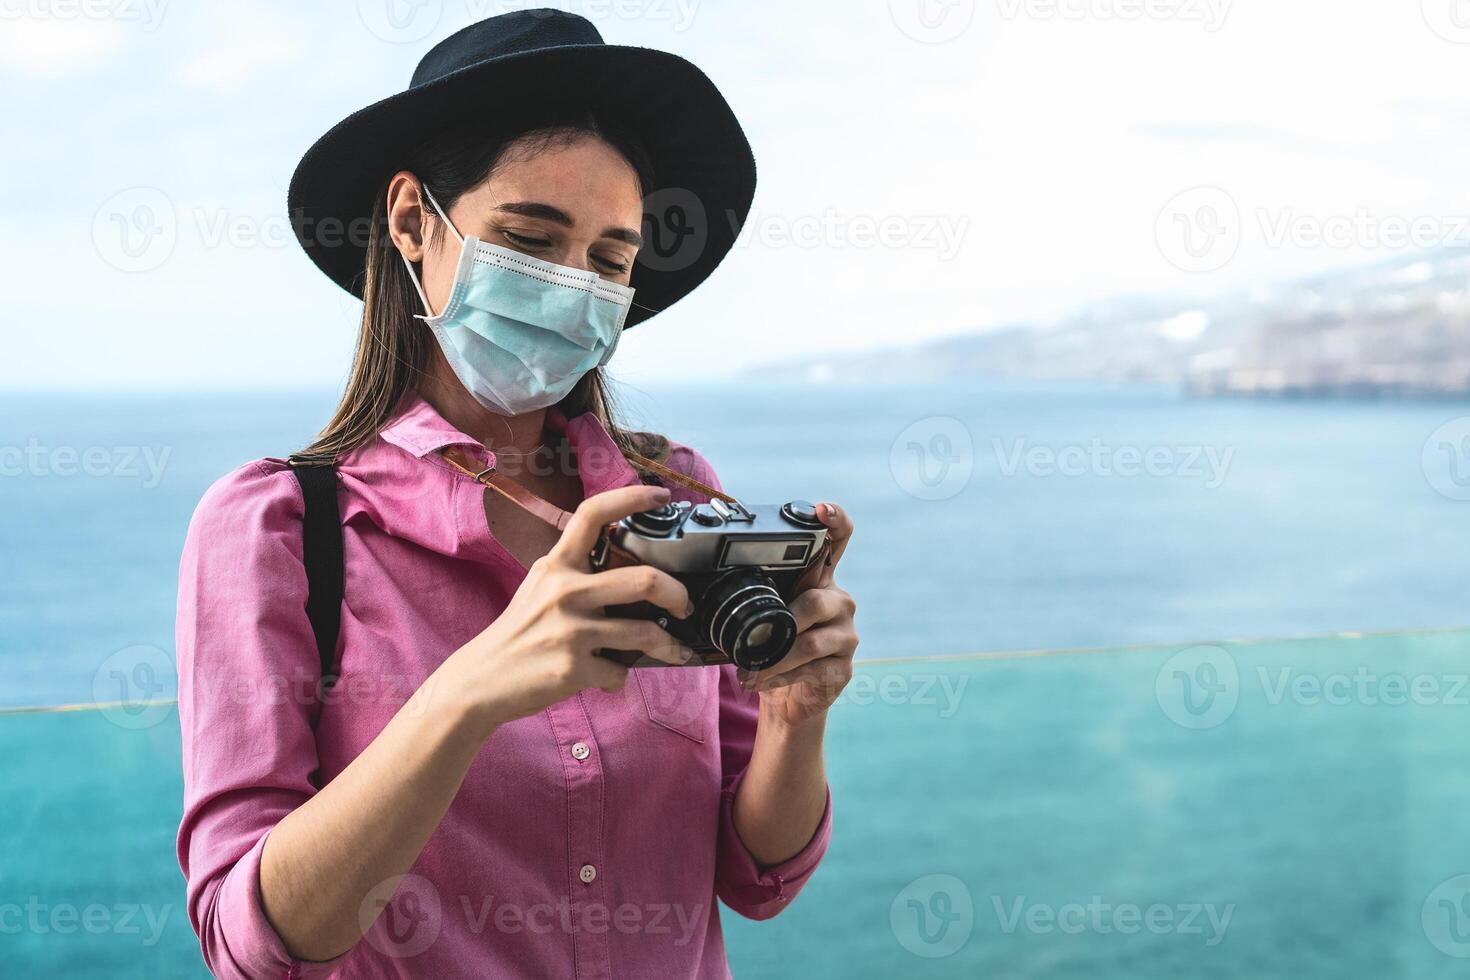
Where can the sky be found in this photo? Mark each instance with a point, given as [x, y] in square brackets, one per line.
[927, 167]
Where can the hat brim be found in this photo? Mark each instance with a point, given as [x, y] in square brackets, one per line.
[701, 156]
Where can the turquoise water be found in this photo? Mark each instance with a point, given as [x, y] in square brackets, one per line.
[1325, 518]
[1323, 835]
[1330, 830]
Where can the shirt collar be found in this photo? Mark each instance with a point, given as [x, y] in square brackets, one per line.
[418, 428]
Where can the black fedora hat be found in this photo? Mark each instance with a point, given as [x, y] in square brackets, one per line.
[704, 170]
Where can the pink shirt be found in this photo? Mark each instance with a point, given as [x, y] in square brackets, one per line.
[587, 841]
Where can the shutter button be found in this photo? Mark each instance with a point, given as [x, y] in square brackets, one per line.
[588, 874]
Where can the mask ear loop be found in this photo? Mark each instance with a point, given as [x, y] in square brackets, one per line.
[412, 274]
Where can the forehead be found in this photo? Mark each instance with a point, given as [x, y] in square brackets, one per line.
[583, 177]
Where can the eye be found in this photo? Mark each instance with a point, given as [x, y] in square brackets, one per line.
[525, 242]
[614, 265]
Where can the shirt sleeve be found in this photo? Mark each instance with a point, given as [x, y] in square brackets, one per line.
[248, 670]
[753, 890]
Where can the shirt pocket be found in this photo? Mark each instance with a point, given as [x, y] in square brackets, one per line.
[681, 699]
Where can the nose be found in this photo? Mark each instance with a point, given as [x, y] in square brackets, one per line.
[576, 255]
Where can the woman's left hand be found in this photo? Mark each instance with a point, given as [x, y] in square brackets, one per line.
[810, 678]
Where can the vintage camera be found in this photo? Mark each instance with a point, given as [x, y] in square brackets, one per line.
[740, 564]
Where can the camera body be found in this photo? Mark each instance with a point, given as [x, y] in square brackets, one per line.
[741, 565]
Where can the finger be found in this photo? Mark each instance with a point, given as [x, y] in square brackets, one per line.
[639, 583]
[644, 636]
[827, 675]
[609, 675]
[816, 606]
[596, 512]
[839, 531]
[816, 644]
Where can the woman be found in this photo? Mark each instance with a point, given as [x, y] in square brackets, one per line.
[479, 794]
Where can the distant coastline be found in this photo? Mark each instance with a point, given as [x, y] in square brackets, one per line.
[1394, 331]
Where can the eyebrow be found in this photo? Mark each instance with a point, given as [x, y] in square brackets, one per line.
[546, 212]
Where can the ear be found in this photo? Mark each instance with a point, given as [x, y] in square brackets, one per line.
[406, 215]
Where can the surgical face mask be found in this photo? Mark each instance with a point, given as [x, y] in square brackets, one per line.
[519, 332]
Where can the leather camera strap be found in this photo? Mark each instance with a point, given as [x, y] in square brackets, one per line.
[544, 509]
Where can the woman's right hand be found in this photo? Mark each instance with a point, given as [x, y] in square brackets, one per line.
[542, 648]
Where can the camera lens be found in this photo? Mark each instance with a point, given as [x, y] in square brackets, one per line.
[748, 620]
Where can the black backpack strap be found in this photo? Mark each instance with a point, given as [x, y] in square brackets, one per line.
[321, 539]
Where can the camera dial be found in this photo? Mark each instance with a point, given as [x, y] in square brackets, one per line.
[706, 515]
[656, 523]
[801, 513]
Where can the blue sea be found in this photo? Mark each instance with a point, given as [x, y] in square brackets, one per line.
[989, 517]
[1064, 816]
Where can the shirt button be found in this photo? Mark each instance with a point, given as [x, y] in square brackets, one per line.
[588, 874]
[580, 751]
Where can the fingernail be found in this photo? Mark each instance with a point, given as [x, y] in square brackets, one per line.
[828, 511]
[745, 677]
[661, 494]
[686, 654]
[689, 609]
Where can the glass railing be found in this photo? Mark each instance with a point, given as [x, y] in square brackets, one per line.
[1247, 809]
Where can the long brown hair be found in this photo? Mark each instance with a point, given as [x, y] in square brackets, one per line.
[393, 349]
